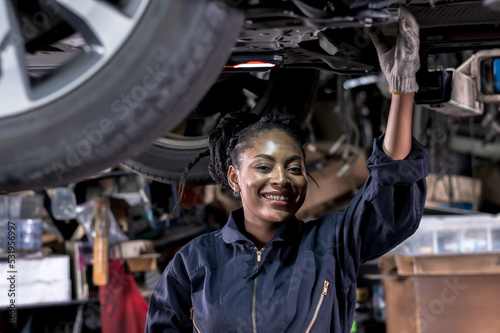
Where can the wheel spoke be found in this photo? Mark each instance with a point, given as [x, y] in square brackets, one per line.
[15, 87]
[98, 21]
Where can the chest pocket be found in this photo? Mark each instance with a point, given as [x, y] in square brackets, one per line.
[318, 304]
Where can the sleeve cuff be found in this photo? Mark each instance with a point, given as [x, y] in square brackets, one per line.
[405, 172]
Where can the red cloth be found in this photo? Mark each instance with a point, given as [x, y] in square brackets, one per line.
[123, 309]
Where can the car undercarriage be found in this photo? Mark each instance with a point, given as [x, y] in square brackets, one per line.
[272, 50]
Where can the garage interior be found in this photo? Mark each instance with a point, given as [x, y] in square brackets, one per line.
[87, 230]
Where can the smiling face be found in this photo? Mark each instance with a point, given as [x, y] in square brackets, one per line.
[270, 178]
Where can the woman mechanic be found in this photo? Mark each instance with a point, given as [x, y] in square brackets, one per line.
[266, 271]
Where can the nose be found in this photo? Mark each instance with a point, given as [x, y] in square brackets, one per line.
[279, 177]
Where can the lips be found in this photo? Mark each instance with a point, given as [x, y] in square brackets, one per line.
[277, 197]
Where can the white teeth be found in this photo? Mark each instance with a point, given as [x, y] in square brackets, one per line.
[277, 197]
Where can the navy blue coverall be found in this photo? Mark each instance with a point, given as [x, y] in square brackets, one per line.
[304, 280]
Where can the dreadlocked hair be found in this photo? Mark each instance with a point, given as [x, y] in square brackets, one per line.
[234, 134]
[182, 180]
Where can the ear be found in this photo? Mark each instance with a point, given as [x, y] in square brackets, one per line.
[233, 178]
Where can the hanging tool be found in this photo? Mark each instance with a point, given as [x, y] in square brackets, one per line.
[101, 226]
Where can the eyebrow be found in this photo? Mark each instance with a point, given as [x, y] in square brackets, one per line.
[271, 158]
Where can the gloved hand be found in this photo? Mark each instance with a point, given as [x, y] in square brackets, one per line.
[400, 62]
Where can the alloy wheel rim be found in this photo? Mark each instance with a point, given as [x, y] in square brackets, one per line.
[20, 92]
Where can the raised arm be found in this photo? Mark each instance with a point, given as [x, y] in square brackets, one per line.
[397, 140]
[399, 64]
[390, 205]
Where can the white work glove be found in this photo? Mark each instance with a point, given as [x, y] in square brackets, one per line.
[400, 62]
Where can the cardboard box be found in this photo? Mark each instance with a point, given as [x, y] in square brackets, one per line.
[331, 186]
[451, 264]
[462, 191]
[457, 293]
[140, 255]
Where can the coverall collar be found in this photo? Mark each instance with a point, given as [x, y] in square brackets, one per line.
[231, 233]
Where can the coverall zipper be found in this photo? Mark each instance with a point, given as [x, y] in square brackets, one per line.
[194, 322]
[259, 253]
[321, 298]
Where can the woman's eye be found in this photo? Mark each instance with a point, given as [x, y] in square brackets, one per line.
[262, 168]
[295, 169]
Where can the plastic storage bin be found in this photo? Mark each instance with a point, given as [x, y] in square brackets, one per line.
[454, 234]
[25, 212]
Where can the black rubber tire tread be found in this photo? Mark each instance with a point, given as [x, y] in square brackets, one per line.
[166, 164]
[291, 91]
[185, 42]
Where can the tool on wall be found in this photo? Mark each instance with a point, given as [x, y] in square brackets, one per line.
[101, 225]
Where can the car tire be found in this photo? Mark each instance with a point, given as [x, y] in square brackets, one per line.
[181, 45]
[289, 91]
